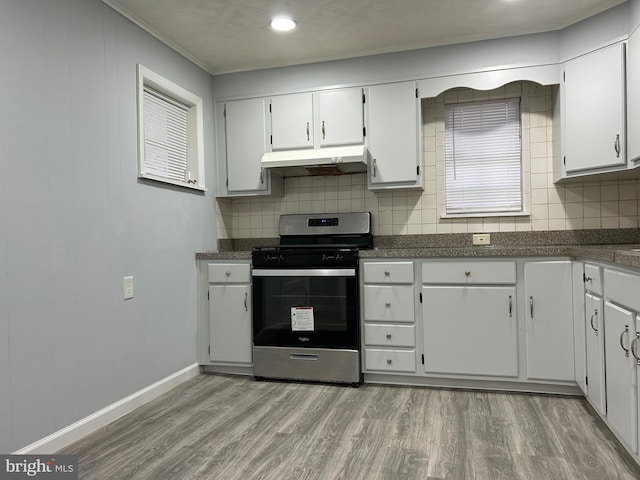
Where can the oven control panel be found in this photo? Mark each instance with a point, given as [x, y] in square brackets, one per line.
[323, 222]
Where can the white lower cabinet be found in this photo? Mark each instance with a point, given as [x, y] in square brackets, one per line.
[470, 330]
[469, 318]
[549, 321]
[389, 317]
[622, 342]
[594, 344]
[622, 402]
[229, 296]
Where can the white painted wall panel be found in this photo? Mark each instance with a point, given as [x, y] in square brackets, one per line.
[538, 49]
[74, 219]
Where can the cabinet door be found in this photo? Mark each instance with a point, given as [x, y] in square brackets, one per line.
[341, 117]
[392, 132]
[246, 144]
[292, 121]
[230, 323]
[470, 330]
[620, 371]
[594, 110]
[579, 326]
[595, 352]
[633, 96]
[549, 321]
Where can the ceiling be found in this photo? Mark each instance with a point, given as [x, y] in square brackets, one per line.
[224, 36]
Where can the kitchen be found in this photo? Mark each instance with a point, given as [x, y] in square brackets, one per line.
[68, 335]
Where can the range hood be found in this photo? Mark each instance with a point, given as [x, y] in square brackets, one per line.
[320, 161]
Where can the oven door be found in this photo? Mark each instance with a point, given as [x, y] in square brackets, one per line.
[313, 308]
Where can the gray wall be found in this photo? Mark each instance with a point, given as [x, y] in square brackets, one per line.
[74, 219]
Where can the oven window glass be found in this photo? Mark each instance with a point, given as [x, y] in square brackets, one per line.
[327, 309]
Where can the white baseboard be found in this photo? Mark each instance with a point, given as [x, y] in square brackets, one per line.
[74, 432]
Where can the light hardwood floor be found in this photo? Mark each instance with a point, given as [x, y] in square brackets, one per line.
[225, 428]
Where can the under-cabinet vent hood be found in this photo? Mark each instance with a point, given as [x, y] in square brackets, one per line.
[322, 161]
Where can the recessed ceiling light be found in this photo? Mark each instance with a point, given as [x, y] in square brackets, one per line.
[283, 24]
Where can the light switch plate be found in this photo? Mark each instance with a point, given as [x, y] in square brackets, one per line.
[128, 287]
[481, 239]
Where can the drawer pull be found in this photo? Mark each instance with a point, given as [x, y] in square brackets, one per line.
[305, 356]
[389, 362]
[633, 348]
[389, 336]
[227, 273]
[388, 304]
[467, 273]
[626, 350]
[595, 314]
[386, 272]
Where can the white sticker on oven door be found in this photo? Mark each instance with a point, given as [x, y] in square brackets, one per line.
[302, 319]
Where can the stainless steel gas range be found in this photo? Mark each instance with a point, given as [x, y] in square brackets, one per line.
[306, 305]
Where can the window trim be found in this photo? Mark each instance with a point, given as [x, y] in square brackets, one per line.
[195, 127]
[493, 213]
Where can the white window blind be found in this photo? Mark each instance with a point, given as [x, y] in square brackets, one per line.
[165, 136]
[483, 165]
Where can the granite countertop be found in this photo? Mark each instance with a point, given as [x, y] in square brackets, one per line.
[617, 246]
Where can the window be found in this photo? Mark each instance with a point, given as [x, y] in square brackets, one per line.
[169, 132]
[483, 165]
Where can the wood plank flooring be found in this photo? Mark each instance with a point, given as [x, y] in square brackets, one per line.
[226, 428]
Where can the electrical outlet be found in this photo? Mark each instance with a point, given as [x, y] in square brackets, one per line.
[128, 287]
[481, 239]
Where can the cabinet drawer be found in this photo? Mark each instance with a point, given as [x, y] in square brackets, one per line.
[470, 272]
[229, 273]
[390, 335]
[593, 278]
[389, 303]
[388, 272]
[390, 360]
[622, 288]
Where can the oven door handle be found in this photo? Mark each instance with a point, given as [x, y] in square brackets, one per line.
[307, 272]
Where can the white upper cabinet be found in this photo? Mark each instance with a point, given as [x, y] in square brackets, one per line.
[341, 117]
[393, 136]
[241, 141]
[633, 96]
[317, 119]
[594, 113]
[292, 121]
[246, 143]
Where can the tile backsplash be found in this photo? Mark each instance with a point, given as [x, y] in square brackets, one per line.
[567, 206]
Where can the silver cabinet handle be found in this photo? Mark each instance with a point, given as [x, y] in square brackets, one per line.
[262, 176]
[626, 350]
[246, 305]
[375, 170]
[387, 273]
[388, 304]
[633, 348]
[595, 313]
[467, 273]
[307, 131]
[389, 361]
[227, 273]
[389, 336]
[510, 306]
[531, 305]
[323, 132]
[616, 145]
[587, 278]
